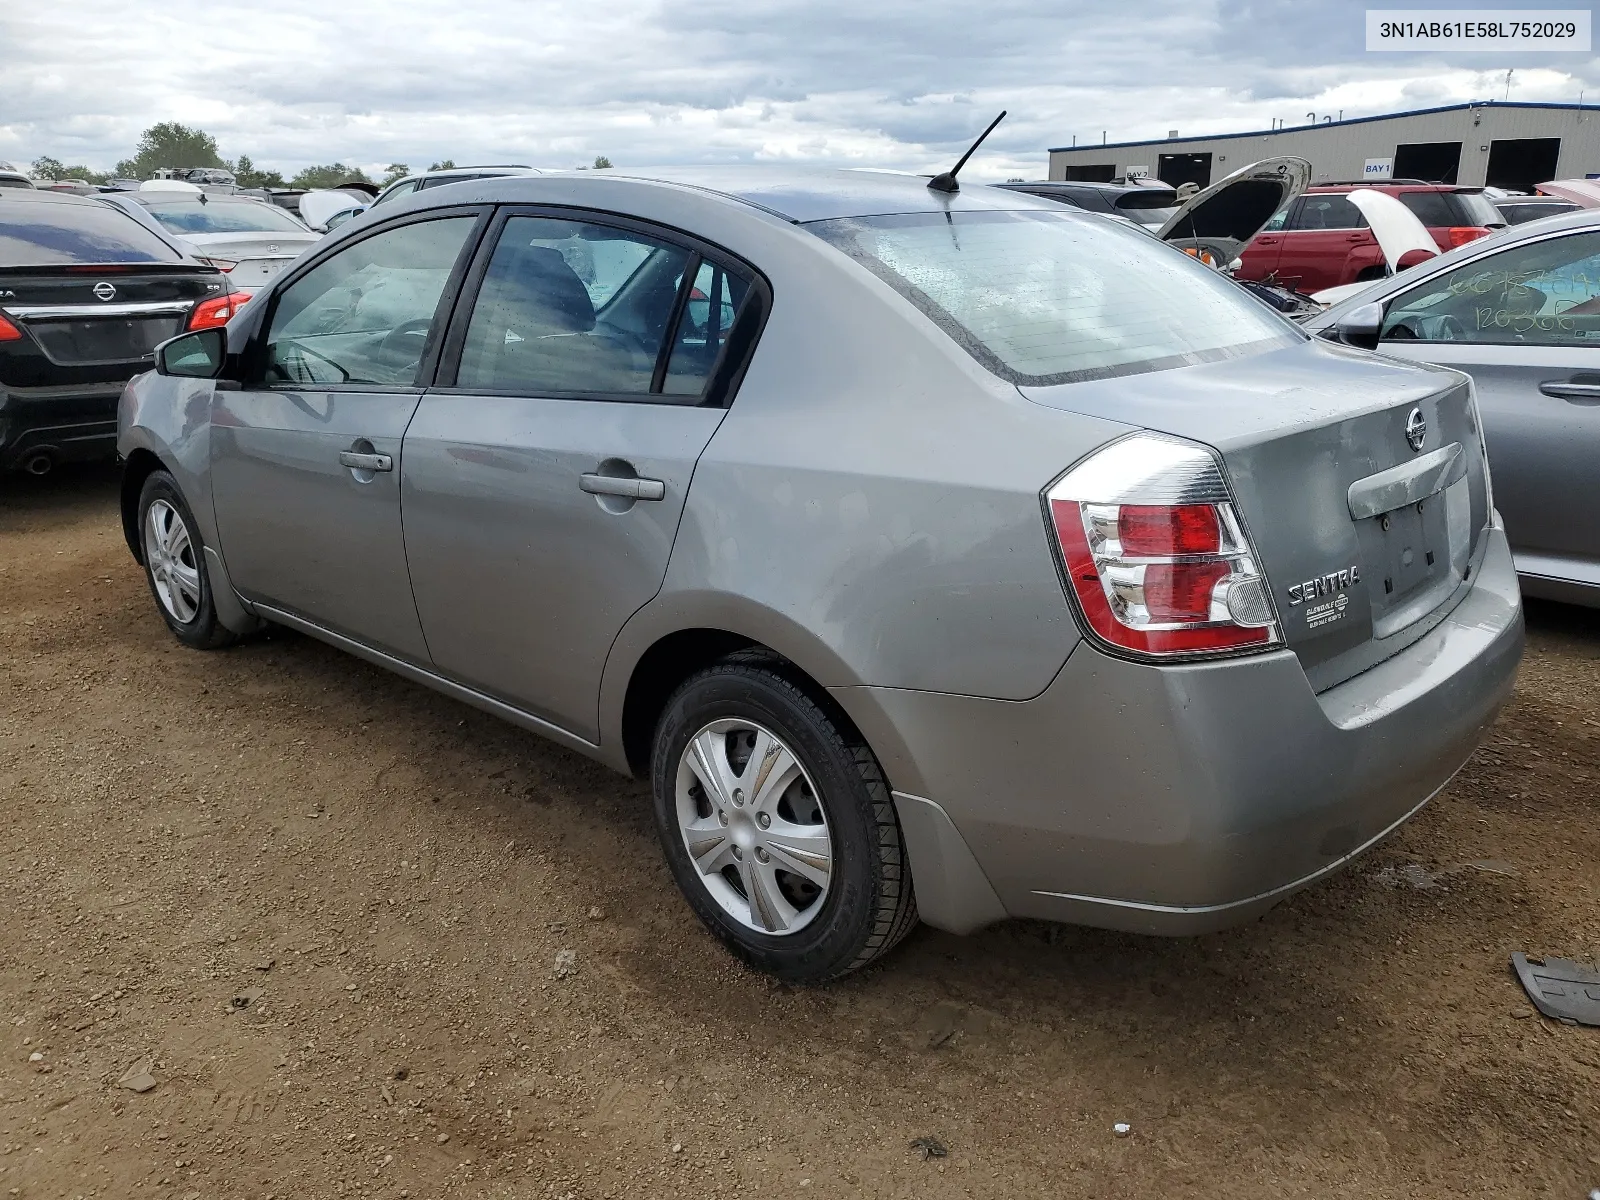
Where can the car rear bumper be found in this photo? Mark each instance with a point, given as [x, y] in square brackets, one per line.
[1187, 798]
[72, 424]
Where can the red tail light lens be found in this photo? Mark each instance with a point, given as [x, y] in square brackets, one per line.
[1160, 580]
[1460, 235]
[215, 312]
[8, 331]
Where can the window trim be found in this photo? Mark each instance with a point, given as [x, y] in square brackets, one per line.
[253, 358]
[726, 374]
[1491, 252]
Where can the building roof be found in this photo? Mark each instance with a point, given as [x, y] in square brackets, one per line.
[1415, 112]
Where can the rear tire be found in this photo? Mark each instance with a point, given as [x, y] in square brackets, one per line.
[175, 565]
[756, 876]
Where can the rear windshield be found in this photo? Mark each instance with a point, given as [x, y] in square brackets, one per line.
[47, 235]
[1521, 214]
[1044, 297]
[225, 216]
[1480, 210]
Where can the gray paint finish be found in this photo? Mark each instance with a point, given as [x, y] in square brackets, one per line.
[870, 507]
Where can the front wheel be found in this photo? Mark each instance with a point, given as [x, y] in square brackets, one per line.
[779, 829]
[175, 565]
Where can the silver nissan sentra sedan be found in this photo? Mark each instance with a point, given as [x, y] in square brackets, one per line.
[951, 555]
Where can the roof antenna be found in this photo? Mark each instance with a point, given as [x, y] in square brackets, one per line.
[947, 181]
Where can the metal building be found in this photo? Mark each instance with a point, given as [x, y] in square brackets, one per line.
[1513, 146]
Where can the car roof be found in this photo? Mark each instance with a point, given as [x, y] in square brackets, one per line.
[42, 196]
[159, 197]
[796, 194]
[1074, 185]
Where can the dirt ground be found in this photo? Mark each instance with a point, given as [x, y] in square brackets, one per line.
[322, 905]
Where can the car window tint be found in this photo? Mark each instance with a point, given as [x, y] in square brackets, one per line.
[34, 234]
[1277, 221]
[568, 306]
[1327, 212]
[708, 314]
[1521, 214]
[1476, 209]
[1043, 297]
[398, 190]
[363, 315]
[224, 216]
[1544, 293]
[1431, 208]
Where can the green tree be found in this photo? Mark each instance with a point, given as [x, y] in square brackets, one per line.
[251, 176]
[46, 167]
[602, 163]
[393, 172]
[331, 175]
[448, 164]
[170, 144]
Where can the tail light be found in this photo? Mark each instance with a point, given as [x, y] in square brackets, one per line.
[8, 331]
[222, 264]
[1155, 555]
[215, 312]
[1460, 235]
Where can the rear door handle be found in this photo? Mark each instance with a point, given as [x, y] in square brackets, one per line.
[365, 462]
[1576, 393]
[629, 486]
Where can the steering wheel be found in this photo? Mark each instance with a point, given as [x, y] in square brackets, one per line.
[393, 348]
[1451, 329]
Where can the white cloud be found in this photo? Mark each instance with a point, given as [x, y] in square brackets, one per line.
[893, 83]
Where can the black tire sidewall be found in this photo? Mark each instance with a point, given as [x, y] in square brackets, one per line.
[833, 941]
[202, 632]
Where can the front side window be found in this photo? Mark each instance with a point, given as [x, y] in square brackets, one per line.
[1055, 297]
[363, 315]
[1542, 293]
[568, 306]
[404, 188]
[1327, 212]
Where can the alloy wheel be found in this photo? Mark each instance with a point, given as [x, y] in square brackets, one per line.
[170, 554]
[754, 827]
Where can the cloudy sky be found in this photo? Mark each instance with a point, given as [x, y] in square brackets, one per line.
[891, 83]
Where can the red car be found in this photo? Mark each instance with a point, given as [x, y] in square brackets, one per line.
[1322, 240]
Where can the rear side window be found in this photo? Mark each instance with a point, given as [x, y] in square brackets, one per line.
[1327, 212]
[703, 329]
[1043, 297]
[398, 190]
[572, 307]
[48, 235]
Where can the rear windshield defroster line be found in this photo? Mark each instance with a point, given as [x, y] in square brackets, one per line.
[1041, 298]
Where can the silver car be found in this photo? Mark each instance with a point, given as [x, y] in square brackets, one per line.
[1520, 313]
[247, 240]
[953, 555]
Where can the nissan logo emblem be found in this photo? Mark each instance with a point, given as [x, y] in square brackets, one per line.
[104, 290]
[1416, 430]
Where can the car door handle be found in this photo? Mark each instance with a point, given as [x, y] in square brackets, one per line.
[630, 486]
[1358, 237]
[1576, 393]
[365, 462]
[1266, 241]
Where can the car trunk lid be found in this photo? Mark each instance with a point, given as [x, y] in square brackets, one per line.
[1366, 542]
[89, 316]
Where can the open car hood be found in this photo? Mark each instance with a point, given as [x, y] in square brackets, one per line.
[1394, 225]
[1220, 219]
[1585, 193]
[318, 207]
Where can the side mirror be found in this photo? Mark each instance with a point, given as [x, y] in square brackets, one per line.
[197, 355]
[1360, 326]
[1412, 257]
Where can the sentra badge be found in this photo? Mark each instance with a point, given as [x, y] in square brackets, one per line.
[1324, 585]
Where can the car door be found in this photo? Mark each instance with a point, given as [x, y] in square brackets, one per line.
[1325, 244]
[1525, 324]
[544, 477]
[305, 453]
[1259, 259]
